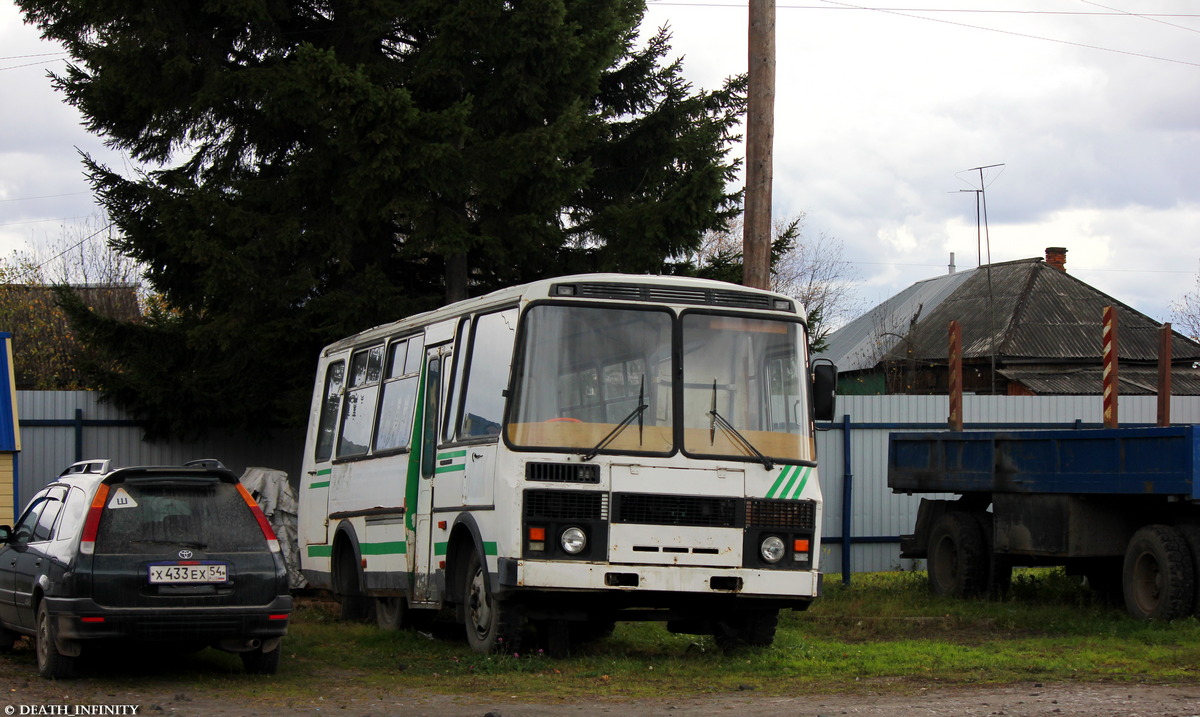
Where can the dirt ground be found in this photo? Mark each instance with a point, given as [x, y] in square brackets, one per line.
[23, 693]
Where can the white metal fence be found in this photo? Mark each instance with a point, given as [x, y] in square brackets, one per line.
[60, 427]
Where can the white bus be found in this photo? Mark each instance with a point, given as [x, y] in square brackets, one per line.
[551, 458]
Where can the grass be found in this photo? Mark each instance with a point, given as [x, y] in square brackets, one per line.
[885, 631]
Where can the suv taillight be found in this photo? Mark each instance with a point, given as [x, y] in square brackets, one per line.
[268, 533]
[87, 544]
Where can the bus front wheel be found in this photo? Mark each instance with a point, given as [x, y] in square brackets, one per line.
[493, 624]
[746, 628]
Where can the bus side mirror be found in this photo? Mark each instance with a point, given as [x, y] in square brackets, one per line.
[824, 375]
[5, 534]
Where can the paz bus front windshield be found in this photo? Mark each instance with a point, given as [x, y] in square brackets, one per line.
[598, 379]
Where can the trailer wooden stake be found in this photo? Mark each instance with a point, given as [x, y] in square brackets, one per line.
[1111, 391]
[1164, 376]
[956, 417]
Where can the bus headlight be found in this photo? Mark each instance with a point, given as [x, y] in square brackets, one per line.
[772, 549]
[573, 540]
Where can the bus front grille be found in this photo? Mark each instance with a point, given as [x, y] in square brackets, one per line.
[700, 511]
[781, 514]
[563, 472]
[565, 505]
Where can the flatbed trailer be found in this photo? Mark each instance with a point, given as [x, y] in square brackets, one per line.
[1119, 506]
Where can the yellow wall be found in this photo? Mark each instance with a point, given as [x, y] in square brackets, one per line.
[7, 512]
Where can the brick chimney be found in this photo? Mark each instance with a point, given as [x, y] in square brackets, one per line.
[1056, 256]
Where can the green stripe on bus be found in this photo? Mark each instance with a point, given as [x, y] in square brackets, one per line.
[790, 474]
[489, 548]
[413, 477]
[440, 549]
[325, 471]
[452, 454]
[320, 551]
[393, 547]
[778, 482]
[800, 488]
[319, 484]
[451, 469]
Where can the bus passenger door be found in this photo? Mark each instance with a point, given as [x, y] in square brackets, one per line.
[428, 544]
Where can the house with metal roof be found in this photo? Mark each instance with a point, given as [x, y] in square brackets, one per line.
[1028, 328]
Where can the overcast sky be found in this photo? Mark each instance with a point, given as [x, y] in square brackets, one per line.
[880, 113]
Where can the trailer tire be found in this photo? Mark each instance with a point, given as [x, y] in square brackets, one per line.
[1157, 576]
[1191, 536]
[958, 562]
[999, 567]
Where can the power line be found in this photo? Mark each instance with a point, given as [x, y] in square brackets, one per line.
[45, 196]
[888, 11]
[964, 11]
[1144, 16]
[909, 13]
[25, 57]
[42, 221]
[1075, 268]
[31, 271]
[34, 64]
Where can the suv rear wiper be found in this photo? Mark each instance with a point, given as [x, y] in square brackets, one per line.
[635, 413]
[716, 419]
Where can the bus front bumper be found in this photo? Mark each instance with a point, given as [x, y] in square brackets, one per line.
[580, 576]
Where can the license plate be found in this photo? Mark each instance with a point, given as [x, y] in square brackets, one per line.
[175, 573]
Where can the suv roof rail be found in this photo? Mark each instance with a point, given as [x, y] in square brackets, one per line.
[95, 467]
[206, 463]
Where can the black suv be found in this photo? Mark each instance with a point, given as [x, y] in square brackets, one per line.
[170, 555]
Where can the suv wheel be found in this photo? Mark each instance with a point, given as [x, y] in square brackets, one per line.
[258, 662]
[8, 638]
[51, 663]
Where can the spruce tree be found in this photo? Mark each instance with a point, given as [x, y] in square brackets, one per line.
[315, 168]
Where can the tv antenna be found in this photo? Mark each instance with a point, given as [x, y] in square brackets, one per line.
[984, 241]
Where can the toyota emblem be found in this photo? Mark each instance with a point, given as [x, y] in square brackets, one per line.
[185, 554]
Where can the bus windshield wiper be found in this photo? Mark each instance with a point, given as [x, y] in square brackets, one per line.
[635, 413]
[716, 419]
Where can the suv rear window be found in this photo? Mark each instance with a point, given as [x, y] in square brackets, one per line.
[140, 515]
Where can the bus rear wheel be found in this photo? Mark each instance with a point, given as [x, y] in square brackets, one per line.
[356, 607]
[492, 624]
[390, 612]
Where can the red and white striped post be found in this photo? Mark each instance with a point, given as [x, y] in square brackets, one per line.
[1109, 344]
[955, 366]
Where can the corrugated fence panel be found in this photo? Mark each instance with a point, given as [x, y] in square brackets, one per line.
[877, 516]
[61, 427]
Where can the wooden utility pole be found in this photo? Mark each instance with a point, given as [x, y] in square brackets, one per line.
[760, 141]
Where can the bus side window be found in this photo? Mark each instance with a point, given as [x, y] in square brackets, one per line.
[394, 428]
[334, 376]
[487, 375]
[358, 410]
[433, 390]
[454, 378]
